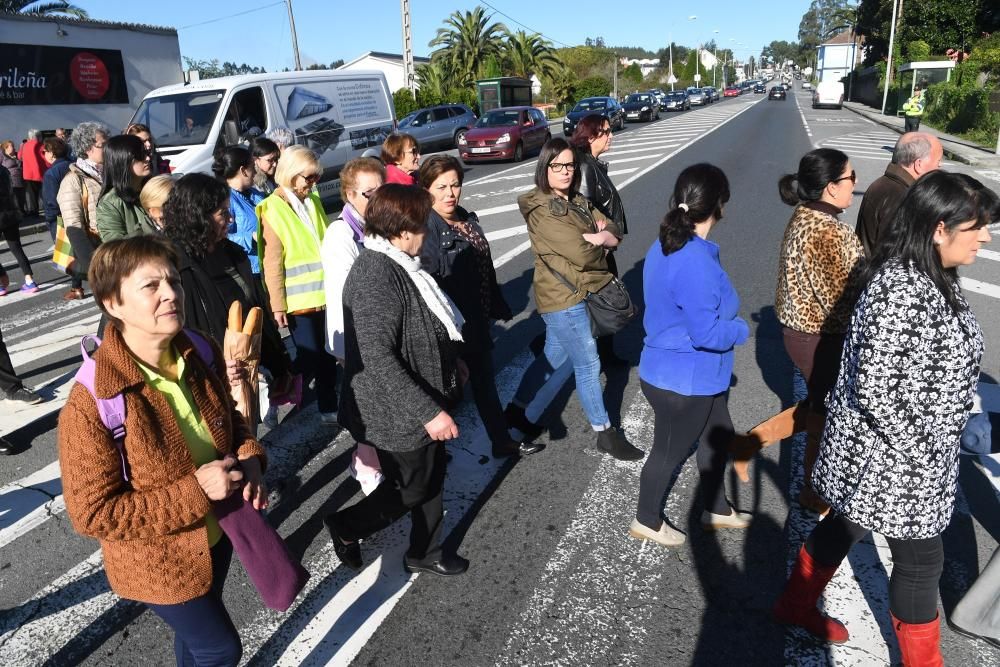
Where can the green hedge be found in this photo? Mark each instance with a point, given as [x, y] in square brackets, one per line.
[962, 110]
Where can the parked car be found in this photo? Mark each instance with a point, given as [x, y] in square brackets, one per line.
[759, 89]
[506, 133]
[661, 97]
[698, 97]
[439, 126]
[713, 94]
[607, 107]
[806, 85]
[828, 93]
[641, 106]
[676, 100]
[777, 93]
[732, 91]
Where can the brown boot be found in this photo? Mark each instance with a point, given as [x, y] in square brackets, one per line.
[808, 498]
[785, 424]
[73, 294]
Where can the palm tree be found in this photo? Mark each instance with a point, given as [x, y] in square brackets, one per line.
[562, 84]
[434, 80]
[526, 54]
[466, 42]
[33, 7]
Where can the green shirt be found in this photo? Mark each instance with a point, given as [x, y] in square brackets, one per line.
[196, 434]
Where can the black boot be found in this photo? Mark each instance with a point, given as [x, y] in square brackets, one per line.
[5, 446]
[612, 441]
[514, 414]
[514, 448]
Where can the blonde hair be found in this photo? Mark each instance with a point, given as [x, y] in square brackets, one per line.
[294, 161]
[156, 190]
[5, 144]
[354, 168]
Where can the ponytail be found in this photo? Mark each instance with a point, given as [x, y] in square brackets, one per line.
[676, 229]
[699, 194]
[788, 189]
[817, 169]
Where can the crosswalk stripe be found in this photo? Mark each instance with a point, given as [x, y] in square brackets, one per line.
[55, 340]
[979, 287]
[989, 254]
[29, 502]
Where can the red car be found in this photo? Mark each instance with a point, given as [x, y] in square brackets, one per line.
[506, 133]
[732, 91]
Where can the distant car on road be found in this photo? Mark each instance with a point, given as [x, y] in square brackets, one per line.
[676, 100]
[806, 85]
[438, 126]
[777, 93]
[641, 106]
[698, 97]
[506, 133]
[659, 95]
[828, 94]
[712, 92]
[760, 88]
[607, 107]
[732, 91]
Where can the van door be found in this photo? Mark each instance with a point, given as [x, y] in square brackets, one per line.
[245, 118]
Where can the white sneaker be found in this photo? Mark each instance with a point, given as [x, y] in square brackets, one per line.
[271, 417]
[666, 535]
[328, 417]
[734, 519]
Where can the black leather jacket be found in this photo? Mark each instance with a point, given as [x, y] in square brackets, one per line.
[596, 185]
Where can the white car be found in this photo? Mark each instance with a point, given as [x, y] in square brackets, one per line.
[806, 85]
[828, 94]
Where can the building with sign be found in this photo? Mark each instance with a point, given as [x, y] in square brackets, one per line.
[390, 64]
[57, 72]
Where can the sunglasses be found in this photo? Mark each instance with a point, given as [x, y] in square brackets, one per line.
[310, 178]
[367, 194]
[853, 177]
[603, 132]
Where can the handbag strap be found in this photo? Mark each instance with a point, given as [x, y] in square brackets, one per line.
[560, 276]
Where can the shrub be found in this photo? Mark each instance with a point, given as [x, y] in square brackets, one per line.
[595, 86]
[918, 50]
[962, 110]
[404, 102]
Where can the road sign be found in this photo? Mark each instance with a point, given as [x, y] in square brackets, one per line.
[697, 78]
[671, 79]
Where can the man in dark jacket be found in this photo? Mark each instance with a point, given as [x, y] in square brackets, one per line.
[55, 151]
[915, 154]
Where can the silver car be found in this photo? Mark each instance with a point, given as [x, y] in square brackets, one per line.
[439, 126]
[698, 96]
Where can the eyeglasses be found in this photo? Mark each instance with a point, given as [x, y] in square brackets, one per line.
[367, 194]
[310, 178]
[559, 167]
[853, 177]
[604, 131]
[413, 151]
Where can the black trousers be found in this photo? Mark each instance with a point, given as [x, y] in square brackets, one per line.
[311, 358]
[9, 382]
[482, 377]
[911, 124]
[916, 569]
[12, 234]
[32, 190]
[414, 483]
[679, 422]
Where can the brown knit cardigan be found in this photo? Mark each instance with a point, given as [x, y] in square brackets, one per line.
[152, 528]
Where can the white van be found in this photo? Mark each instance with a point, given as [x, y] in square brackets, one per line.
[340, 115]
[828, 93]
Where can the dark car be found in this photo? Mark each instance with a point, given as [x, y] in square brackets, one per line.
[438, 126]
[759, 89]
[712, 92]
[777, 93]
[641, 106]
[607, 107]
[676, 100]
[504, 134]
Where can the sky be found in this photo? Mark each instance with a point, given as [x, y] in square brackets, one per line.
[257, 32]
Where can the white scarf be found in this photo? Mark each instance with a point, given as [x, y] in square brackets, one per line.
[302, 210]
[439, 303]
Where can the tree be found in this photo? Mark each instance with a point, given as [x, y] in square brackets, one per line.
[34, 7]
[466, 43]
[561, 86]
[631, 76]
[404, 102]
[525, 54]
[432, 80]
[334, 65]
[595, 86]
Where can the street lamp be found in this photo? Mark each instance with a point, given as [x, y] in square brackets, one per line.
[697, 57]
[715, 43]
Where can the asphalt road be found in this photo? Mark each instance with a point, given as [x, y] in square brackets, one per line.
[554, 579]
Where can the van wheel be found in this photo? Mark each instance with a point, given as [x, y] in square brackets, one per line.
[518, 152]
[459, 135]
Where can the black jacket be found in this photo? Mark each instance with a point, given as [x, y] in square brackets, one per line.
[451, 259]
[400, 367]
[211, 286]
[596, 185]
[879, 206]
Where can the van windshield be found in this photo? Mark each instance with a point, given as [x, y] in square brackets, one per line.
[180, 120]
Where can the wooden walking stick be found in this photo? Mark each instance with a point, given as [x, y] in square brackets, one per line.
[242, 343]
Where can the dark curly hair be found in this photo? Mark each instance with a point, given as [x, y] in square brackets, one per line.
[703, 189]
[187, 215]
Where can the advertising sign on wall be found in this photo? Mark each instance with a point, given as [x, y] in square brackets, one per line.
[36, 74]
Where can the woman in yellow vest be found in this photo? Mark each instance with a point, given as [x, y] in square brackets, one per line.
[292, 223]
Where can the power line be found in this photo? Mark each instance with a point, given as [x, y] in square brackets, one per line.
[230, 16]
[508, 16]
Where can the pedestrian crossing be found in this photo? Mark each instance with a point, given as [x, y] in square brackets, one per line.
[874, 145]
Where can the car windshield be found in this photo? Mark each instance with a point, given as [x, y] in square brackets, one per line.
[590, 105]
[675, 96]
[180, 120]
[633, 98]
[499, 119]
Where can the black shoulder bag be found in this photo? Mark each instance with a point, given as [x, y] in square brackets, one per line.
[610, 308]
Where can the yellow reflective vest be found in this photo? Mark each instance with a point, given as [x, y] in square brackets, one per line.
[301, 245]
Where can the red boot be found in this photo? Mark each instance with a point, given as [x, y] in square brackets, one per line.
[920, 643]
[797, 604]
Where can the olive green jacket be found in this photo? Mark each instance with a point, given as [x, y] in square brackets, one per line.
[118, 220]
[556, 228]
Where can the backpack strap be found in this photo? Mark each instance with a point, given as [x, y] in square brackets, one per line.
[111, 410]
[202, 347]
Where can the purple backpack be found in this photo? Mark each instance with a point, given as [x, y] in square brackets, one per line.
[275, 573]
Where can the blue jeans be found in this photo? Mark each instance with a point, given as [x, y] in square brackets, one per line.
[569, 348]
[203, 632]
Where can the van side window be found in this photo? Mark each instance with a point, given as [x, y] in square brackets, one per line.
[456, 111]
[441, 113]
[249, 114]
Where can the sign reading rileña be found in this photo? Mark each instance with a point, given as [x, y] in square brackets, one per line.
[37, 74]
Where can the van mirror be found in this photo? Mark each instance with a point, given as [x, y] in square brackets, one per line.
[231, 132]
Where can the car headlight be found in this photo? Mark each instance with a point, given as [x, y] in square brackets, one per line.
[504, 138]
[645, 109]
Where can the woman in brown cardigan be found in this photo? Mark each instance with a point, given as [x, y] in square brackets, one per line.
[185, 446]
[818, 270]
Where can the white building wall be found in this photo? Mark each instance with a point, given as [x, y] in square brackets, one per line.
[151, 60]
[393, 71]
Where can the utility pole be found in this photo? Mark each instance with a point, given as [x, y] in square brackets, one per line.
[614, 75]
[670, 54]
[408, 76]
[295, 40]
[888, 69]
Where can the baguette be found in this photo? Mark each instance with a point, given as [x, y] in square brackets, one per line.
[236, 316]
[253, 321]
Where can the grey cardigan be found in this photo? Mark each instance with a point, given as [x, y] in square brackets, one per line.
[400, 368]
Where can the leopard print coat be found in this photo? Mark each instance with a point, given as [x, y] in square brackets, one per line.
[888, 458]
[817, 272]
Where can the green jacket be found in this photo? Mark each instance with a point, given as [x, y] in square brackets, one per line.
[556, 228]
[118, 220]
[915, 105]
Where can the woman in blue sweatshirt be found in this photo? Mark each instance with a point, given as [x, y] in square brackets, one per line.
[687, 358]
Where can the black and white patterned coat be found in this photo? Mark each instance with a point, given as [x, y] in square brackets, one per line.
[889, 455]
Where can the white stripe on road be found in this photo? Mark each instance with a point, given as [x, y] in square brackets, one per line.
[510, 254]
[55, 392]
[989, 254]
[979, 287]
[30, 502]
[54, 341]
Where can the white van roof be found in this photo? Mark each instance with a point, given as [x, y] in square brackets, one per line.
[227, 82]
